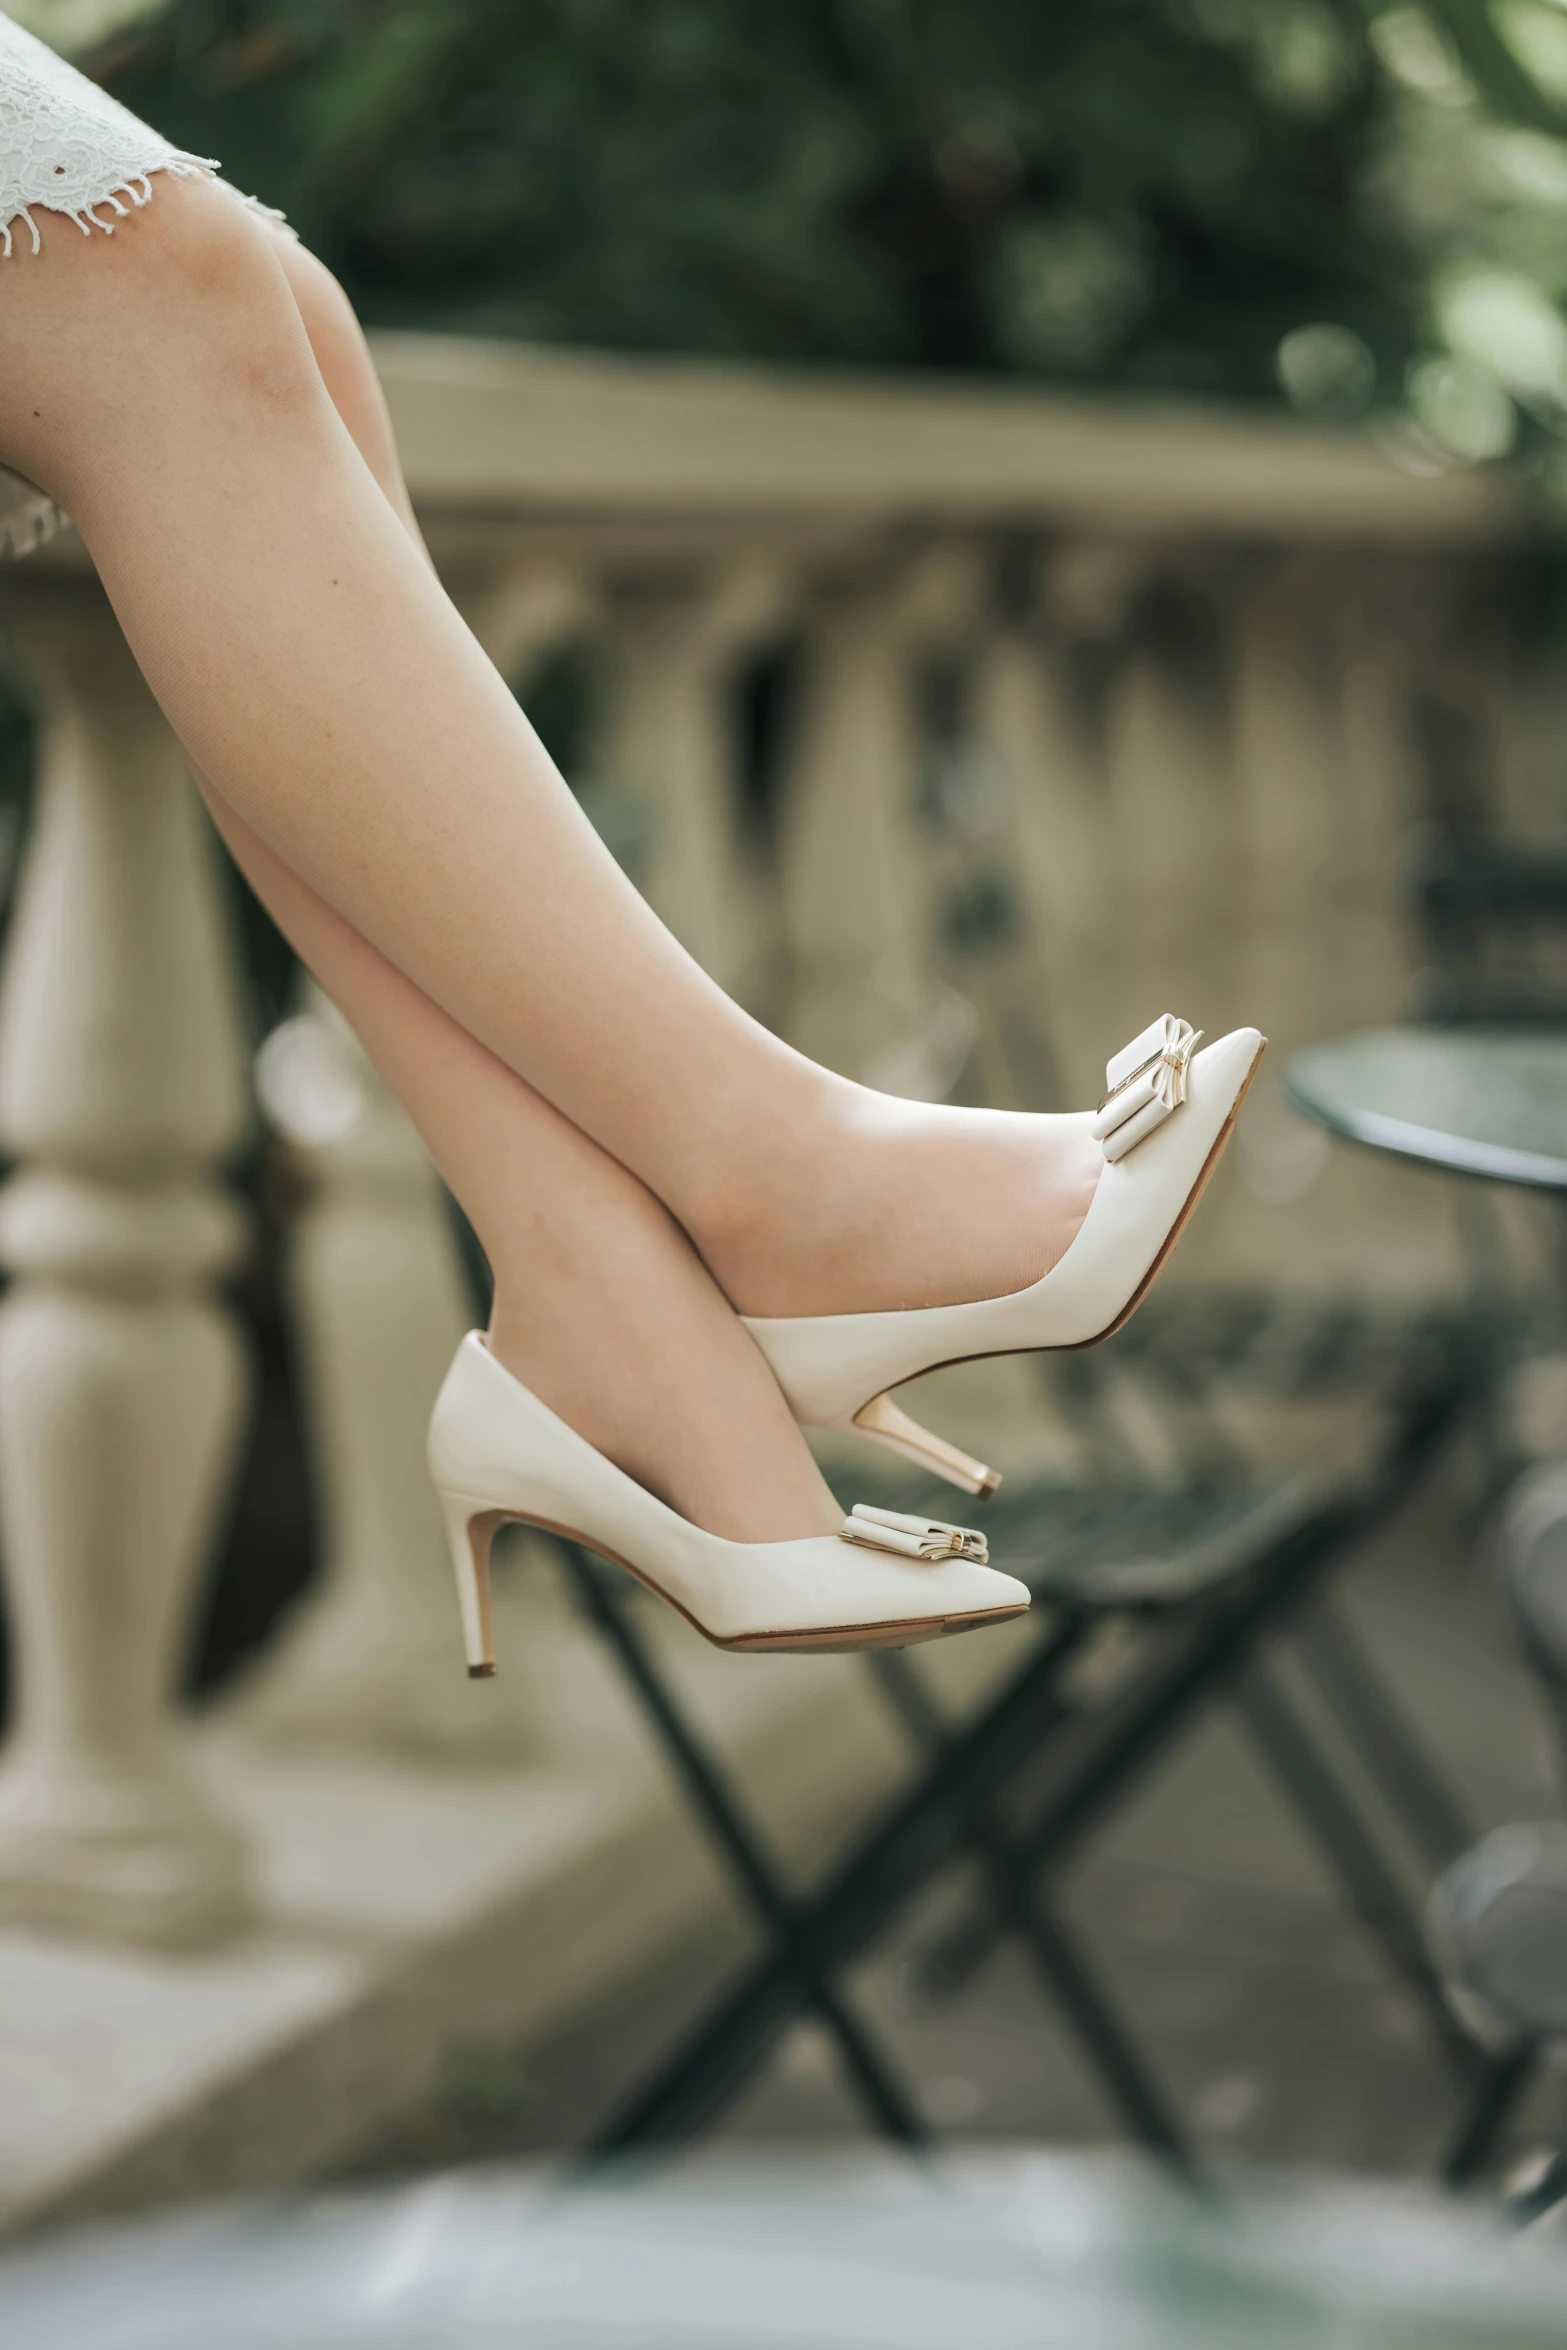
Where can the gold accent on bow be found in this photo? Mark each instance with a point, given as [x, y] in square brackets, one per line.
[1171, 1056]
[1147, 1081]
[915, 1538]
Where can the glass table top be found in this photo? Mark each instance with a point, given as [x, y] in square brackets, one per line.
[1011, 2251]
[1477, 1101]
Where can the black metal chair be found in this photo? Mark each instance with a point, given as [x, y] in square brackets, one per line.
[1202, 1577]
[1173, 1598]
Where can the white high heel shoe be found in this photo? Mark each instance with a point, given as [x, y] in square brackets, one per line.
[883, 1581]
[1166, 1117]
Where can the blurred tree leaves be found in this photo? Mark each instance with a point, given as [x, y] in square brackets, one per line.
[1145, 193]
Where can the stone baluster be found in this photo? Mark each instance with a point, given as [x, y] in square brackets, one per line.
[1287, 745]
[1322, 755]
[1327, 772]
[1377, 797]
[1285, 751]
[854, 897]
[520, 610]
[122, 1378]
[1058, 856]
[1173, 851]
[1406, 632]
[669, 736]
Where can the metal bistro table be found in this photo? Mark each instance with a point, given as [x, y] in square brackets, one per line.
[1015, 2250]
[1474, 1101]
[1489, 1103]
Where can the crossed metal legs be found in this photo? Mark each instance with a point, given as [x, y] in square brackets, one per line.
[811, 1942]
[951, 1809]
[890, 2111]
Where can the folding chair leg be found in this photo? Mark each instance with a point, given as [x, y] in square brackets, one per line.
[1134, 1731]
[1128, 2082]
[1371, 1720]
[1505, 2082]
[927, 1825]
[1373, 1891]
[691, 2088]
[893, 2114]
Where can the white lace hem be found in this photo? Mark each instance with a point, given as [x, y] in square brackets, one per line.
[66, 146]
[85, 214]
[84, 211]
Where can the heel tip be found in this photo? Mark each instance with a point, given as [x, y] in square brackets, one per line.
[481, 1672]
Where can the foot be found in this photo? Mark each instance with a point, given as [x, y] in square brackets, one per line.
[898, 1204]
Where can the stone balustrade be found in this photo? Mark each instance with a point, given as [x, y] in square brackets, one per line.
[957, 731]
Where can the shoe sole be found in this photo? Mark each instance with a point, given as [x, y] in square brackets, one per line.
[909, 1632]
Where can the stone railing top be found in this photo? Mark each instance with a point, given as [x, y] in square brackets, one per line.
[506, 429]
[509, 426]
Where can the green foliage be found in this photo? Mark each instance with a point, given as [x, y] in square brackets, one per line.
[1145, 193]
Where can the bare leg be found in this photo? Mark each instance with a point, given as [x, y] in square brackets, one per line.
[161, 386]
[601, 1305]
[337, 345]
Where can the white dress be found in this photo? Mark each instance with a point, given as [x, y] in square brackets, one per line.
[65, 146]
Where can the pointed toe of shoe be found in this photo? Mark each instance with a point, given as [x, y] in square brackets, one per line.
[974, 1590]
[1008, 1592]
[1222, 1068]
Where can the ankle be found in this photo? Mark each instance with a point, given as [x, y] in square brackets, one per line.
[792, 1190]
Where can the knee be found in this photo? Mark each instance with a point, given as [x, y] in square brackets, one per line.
[184, 303]
[337, 342]
[346, 368]
[204, 270]
[325, 312]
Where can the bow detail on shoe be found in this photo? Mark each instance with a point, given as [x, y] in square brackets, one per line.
[913, 1538]
[1147, 1082]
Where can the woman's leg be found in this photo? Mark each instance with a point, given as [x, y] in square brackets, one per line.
[161, 386]
[601, 1305]
[343, 361]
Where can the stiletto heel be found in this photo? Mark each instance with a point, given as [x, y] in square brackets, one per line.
[470, 1530]
[886, 1423]
[882, 1581]
[1167, 1114]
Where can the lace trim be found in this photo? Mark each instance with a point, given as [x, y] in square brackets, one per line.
[66, 146]
[85, 214]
